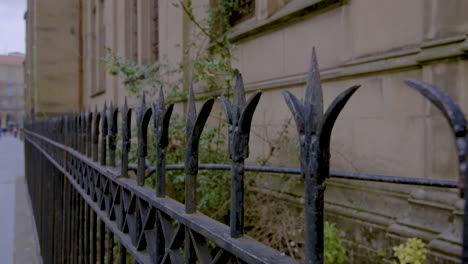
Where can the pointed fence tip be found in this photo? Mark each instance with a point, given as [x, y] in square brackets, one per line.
[161, 90]
[161, 95]
[237, 73]
[143, 99]
[412, 83]
[191, 97]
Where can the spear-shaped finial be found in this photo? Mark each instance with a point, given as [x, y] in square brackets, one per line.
[313, 104]
[161, 96]
[161, 117]
[144, 116]
[104, 135]
[314, 132]
[126, 115]
[112, 117]
[457, 121]
[96, 120]
[89, 133]
[455, 117]
[191, 110]
[239, 116]
[143, 99]
[239, 95]
[193, 129]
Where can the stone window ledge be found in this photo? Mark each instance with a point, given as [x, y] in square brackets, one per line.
[293, 11]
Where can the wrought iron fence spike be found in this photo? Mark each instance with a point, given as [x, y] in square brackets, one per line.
[458, 124]
[239, 117]
[239, 97]
[191, 115]
[313, 102]
[314, 135]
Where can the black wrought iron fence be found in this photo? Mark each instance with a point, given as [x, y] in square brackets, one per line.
[81, 206]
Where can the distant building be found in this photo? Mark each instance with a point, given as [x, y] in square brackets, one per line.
[11, 90]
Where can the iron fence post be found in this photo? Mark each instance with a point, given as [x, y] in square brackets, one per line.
[126, 115]
[314, 133]
[239, 117]
[161, 118]
[104, 131]
[112, 117]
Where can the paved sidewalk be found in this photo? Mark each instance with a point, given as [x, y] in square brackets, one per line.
[18, 242]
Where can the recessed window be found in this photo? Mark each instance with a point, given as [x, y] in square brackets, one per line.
[246, 10]
[155, 30]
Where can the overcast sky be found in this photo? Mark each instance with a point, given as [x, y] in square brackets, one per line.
[12, 26]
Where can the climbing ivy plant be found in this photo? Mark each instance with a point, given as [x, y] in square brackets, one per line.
[209, 49]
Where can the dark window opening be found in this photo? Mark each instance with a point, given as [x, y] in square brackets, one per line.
[135, 30]
[155, 31]
[245, 9]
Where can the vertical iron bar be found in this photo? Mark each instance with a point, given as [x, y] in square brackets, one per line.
[102, 239]
[239, 116]
[58, 221]
[94, 238]
[189, 250]
[89, 122]
[83, 133]
[193, 129]
[161, 117]
[112, 134]
[126, 134]
[87, 233]
[314, 132]
[104, 136]
[82, 229]
[76, 226]
[110, 242]
[160, 241]
[237, 199]
[143, 117]
[123, 254]
[96, 135]
[66, 227]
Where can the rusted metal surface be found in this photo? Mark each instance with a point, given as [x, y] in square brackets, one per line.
[81, 200]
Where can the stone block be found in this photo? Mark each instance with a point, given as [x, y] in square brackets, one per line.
[323, 31]
[268, 51]
[379, 26]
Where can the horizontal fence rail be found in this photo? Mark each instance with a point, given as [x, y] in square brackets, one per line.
[333, 174]
[88, 210]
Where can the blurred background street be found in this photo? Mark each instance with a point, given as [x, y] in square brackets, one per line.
[17, 233]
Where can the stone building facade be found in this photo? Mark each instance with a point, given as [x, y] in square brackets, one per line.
[386, 128]
[11, 90]
[53, 59]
